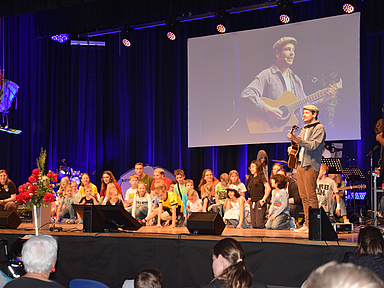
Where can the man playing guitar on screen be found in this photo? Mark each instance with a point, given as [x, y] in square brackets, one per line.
[271, 83]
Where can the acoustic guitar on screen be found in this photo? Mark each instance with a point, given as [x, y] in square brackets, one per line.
[288, 104]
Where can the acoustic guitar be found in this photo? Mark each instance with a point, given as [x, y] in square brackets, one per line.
[294, 150]
[360, 186]
[288, 104]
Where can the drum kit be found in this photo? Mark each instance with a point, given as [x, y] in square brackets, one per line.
[66, 171]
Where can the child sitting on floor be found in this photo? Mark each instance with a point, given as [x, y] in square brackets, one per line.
[65, 208]
[194, 204]
[88, 199]
[131, 192]
[170, 206]
[278, 217]
[142, 203]
[210, 200]
[113, 196]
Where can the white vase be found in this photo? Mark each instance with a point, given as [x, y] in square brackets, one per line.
[42, 220]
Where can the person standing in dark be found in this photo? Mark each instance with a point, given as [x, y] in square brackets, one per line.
[258, 190]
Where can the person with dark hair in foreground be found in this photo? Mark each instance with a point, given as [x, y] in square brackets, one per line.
[229, 267]
[370, 251]
[39, 258]
[346, 275]
[149, 278]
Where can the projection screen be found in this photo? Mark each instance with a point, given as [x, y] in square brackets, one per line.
[232, 79]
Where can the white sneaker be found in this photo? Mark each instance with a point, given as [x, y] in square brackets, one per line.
[303, 229]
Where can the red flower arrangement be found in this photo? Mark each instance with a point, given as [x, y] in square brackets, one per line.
[39, 190]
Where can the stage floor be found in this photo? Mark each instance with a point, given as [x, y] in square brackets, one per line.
[252, 235]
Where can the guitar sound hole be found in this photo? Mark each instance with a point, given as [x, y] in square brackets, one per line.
[285, 111]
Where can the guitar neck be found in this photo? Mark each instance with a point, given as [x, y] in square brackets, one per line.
[313, 97]
[309, 99]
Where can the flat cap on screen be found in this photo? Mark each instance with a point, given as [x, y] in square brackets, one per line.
[282, 41]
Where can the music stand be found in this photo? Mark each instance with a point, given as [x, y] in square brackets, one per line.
[333, 164]
[354, 174]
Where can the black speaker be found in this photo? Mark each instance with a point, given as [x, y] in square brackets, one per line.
[205, 223]
[9, 219]
[320, 228]
[92, 220]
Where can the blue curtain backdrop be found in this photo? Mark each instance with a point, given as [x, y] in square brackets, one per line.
[106, 108]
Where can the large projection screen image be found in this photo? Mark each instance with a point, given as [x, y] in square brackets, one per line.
[249, 87]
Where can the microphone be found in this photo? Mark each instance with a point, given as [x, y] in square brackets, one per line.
[373, 151]
[312, 78]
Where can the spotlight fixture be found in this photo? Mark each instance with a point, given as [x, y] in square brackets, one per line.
[126, 36]
[171, 29]
[284, 11]
[221, 23]
[348, 6]
[61, 38]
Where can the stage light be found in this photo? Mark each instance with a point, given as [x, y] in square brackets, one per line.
[284, 11]
[348, 6]
[126, 36]
[171, 29]
[221, 25]
[61, 38]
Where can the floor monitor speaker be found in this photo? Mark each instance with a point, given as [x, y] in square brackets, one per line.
[320, 228]
[205, 223]
[9, 219]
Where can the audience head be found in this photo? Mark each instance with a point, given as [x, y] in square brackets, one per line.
[370, 241]
[179, 174]
[323, 169]
[256, 168]
[158, 174]
[191, 194]
[114, 194]
[346, 275]
[39, 254]
[64, 183]
[172, 185]
[149, 278]
[84, 179]
[206, 177]
[278, 181]
[141, 189]
[133, 180]
[107, 178]
[228, 263]
[235, 191]
[209, 189]
[73, 186]
[189, 184]
[4, 180]
[282, 172]
[88, 190]
[224, 178]
[234, 177]
[275, 168]
[139, 169]
[161, 189]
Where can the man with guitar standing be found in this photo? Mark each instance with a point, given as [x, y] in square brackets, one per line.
[273, 96]
[311, 142]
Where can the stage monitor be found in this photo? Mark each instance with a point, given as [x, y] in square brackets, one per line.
[106, 218]
[232, 77]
